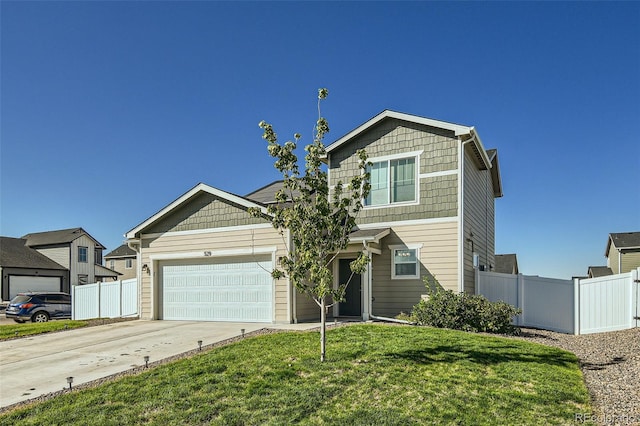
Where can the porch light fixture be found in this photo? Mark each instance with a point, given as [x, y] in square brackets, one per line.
[70, 381]
[146, 361]
[145, 268]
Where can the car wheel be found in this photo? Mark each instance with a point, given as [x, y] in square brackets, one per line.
[40, 317]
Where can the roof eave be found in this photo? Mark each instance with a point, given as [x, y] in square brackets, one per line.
[456, 128]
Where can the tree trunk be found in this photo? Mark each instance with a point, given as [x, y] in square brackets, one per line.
[323, 326]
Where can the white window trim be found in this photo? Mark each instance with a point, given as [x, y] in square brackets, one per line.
[393, 248]
[416, 201]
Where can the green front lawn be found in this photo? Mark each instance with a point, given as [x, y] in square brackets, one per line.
[375, 375]
[8, 331]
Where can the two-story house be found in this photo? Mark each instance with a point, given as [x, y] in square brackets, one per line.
[74, 249]
[75, 258]
[123, 261]
[430, 214]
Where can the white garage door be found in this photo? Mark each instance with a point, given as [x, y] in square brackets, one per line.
[20, 284]
[229, 289]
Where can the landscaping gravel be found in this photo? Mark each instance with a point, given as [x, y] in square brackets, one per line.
[610, 364]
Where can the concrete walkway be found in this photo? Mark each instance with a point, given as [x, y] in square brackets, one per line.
[35, 366]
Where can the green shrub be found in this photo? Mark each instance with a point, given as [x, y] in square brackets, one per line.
[461, 311]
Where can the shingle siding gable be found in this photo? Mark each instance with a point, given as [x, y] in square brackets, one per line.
[438, 194]
[205, 211]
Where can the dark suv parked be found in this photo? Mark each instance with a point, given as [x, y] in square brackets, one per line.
[39, 307]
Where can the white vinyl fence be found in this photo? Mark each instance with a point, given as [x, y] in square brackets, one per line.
[568, 306]
[105, 300]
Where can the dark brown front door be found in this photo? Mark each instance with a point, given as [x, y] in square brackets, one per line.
[352, 306]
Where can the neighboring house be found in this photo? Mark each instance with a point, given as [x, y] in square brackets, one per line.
[25, 269]
[430, 214]
[623, 252]
[599, 271]
[506, 264]
[123, 261]
[74, 249]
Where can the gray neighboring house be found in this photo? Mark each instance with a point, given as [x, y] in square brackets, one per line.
[25, 269]
[122, 260]
[74, 249]
[623, 252]
[506, 264]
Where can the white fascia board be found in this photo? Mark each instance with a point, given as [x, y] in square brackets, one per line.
[456, 128]
[480, 146]
[201, 187]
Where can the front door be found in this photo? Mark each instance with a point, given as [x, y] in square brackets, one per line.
[352, 306]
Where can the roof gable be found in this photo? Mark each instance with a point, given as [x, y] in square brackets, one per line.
[457, 129]
[197, 194]
[14, 253]
[467, 135]
[123, 251]
[623, 241]
[61, 236]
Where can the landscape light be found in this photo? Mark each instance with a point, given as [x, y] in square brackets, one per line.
[242, 332]
[70, 380]
[199, 345]
[146, 361]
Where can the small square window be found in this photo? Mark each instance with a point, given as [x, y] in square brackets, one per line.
[128, 263]
[405, 262]
[83, 279]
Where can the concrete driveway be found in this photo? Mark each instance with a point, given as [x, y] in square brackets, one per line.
[34, 366]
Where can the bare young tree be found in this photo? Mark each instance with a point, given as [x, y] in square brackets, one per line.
[318, 218]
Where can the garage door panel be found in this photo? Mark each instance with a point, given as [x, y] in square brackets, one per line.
[226, 290]
[22, 284]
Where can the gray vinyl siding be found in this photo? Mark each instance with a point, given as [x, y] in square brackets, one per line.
[59, 254]
[205, 211]
[479, 219]
[624, 263]
[630, 261]
[82, 268]
[437, 197]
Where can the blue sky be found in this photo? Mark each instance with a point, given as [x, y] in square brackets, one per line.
[111, 110]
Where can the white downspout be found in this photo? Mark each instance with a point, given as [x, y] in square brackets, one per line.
[136, 245]
[461, 237]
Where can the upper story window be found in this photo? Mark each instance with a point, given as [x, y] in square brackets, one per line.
[83, 254]
[128, 263]
[97, 256]
[392, 181]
